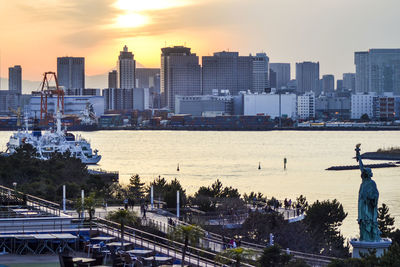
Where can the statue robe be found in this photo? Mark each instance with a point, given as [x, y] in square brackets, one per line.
[368, 211]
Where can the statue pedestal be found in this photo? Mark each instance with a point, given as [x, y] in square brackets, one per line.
[365, 246]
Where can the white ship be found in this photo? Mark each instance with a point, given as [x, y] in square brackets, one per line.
[54, 141]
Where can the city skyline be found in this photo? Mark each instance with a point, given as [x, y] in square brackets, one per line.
[97, 30]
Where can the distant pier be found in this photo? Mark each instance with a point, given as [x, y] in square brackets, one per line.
[356, 167]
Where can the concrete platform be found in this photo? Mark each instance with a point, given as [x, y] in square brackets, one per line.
[365, 247]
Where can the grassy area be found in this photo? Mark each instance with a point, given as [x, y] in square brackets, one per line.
[391, 150]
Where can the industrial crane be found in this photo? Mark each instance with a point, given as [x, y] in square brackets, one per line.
[47, 92]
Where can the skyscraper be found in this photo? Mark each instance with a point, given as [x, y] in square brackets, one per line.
[227, 71]
[260, 73]
[328, 83]
[361, 61]
[349, 82]
[126, 67]
[378, 71]
[272, 78]
[112, 79]
[180, 74]
[15, 79]
[282, 71]
[71, 72]
[307, 77]
[339, 85]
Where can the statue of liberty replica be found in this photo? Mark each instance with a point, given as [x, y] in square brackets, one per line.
[368, 214]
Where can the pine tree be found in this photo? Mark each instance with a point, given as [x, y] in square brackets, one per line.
[385, 221]
[135, 188]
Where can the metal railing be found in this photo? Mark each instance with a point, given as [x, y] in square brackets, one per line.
[213, 242]
[45, 224]
[195, 256]
[29, 200]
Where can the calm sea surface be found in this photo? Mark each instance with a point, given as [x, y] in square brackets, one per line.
[233, 157]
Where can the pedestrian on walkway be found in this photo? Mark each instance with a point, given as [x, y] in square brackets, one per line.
[144, 213]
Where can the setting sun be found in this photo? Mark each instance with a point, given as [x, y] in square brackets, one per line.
[131, 20]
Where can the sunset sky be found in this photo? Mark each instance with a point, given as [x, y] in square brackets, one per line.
[34, 33]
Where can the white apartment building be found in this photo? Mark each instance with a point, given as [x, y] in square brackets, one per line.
[271, 105]
[362, 103]
[306, 106]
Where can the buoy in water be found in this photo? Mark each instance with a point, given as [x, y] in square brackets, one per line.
[177, 168]
[259, 165]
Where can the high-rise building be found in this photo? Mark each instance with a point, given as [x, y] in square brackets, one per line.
[71, 72]
[339, 85]
[126, 66]
[377, 70]
[260, 73]
[307, 77]
[361, 62]
[328, 83]
[145, 76]
[112, 79]
[227, 71]
[126, 99]
[180, 74]
[150, 78]
[15, 79]
[349, 82]
[282, 71]
[272, 78]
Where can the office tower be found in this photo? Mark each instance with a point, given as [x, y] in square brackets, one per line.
[349, 82]
[180, 74]
[328, 83]
[126, 66]
[339, 85]
[150, 78]
[307, 76]
[260, 73]
[71, 72]
[145, 76]
[15, 79]
[227, 71]
[272, 78]
[361, 62]
[112, 79]
[377, 70]
[282, 71]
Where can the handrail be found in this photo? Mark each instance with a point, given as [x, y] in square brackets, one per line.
[28, 195]
[216, 238]
[168, 241]
[48, 205]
